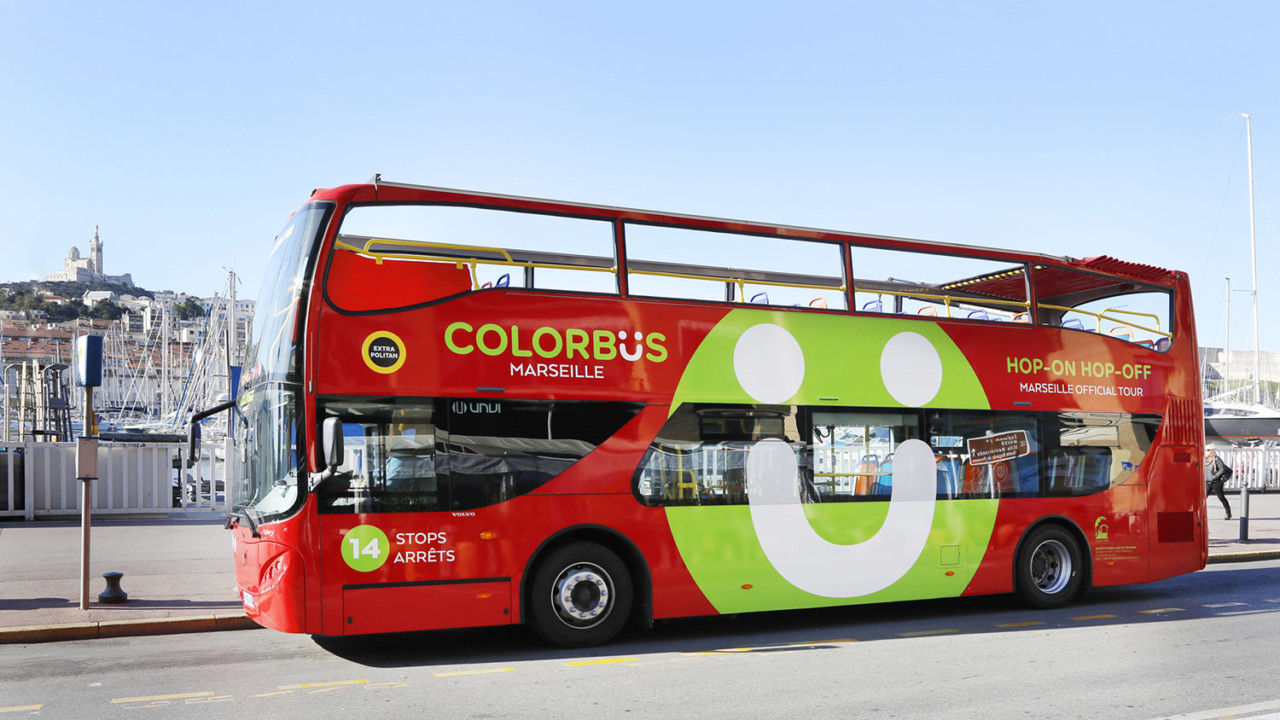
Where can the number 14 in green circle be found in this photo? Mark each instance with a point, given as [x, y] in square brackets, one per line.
[365, 548]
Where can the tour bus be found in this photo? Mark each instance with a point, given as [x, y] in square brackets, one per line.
[463, 409]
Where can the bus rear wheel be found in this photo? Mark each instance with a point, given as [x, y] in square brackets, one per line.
[581, 596]
[1050, 569]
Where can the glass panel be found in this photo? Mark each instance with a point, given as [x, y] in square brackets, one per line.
[267, 440]
[695, 264]
[942, 286]
[853, 451]
[1089, 452]
[390, 458]
[508, 249]
[1133, 312]
[270, 354]
[454, 454]
[700, 455]
[985, 453]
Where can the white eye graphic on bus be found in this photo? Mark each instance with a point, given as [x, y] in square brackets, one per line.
[769, 364]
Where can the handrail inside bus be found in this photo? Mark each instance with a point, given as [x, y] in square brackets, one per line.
[472, 256]
[480, 255]
[945, 299]
[1100, 316]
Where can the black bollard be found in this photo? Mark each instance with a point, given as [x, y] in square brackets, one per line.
[1244, 511]
[113, 593]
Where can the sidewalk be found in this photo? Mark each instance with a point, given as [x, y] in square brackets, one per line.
[177, 573]
[179, 576]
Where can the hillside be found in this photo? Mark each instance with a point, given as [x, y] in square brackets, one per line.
[30, 296]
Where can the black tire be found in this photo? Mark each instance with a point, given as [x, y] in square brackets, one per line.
[1050, 570]
[581, 596]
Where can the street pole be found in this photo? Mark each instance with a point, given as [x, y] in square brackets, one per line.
[88, 352]
[86, 472]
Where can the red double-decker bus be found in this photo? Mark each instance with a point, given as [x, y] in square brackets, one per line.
[462, 409]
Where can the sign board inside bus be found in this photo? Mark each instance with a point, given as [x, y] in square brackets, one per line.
[998, 448]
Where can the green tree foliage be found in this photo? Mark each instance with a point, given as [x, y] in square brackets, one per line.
[189, 309]
[29, 297]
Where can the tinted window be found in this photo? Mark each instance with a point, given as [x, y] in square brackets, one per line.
[847, 454]
[458, 454]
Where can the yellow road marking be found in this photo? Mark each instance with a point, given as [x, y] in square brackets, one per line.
[779, 646]
[306, 686]
[922, 633]
[1158, 611]
[487, 671]
[153, 698]
[20, 708]
[600, 662]
[282, 692]
[1021, 624]
[1093, 617]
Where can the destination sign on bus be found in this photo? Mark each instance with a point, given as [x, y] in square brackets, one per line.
[1001, 447]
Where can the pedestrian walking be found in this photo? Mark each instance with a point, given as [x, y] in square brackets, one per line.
[1216, 474]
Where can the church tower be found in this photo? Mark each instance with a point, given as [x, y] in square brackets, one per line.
[95, 253]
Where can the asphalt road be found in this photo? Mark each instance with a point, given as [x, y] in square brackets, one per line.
[1201, 645]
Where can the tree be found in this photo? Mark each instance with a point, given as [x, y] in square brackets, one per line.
[189, 309]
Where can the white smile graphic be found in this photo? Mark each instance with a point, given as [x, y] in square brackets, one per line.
[769, 364]
[622, 349]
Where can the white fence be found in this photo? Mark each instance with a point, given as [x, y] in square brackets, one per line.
[1258, 467]
[38, 479]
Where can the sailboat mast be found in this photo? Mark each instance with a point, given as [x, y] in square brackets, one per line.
[1253, 259]
[1226, 353]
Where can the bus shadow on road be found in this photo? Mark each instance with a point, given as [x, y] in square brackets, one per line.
[1188, 597]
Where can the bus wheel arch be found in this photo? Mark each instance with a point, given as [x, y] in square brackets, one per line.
[1051, 565]
[583, 585]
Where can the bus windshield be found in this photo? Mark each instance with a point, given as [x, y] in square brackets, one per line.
[267, 436]
[271, 353]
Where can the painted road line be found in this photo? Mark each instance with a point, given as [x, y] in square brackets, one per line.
[154, 698]
[1161, 611]
[923, 633]
[20, 708]
[1231, 712]
[485, 671]
[1225, 604]
[308, 686]
[1028, 623]
[1093, 617]
[779, 646]
[610, 661]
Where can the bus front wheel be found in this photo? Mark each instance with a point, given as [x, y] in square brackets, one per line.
[581, 596]
[1050, 570]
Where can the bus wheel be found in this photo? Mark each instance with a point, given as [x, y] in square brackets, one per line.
[581, 596]
[1049, 570]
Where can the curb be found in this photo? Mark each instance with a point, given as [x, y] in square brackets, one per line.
[1243, 556]
[124, 628]
[218, 623]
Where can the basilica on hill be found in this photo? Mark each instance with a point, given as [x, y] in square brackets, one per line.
[86, 270]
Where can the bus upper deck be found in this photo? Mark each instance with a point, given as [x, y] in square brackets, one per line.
[506, 242]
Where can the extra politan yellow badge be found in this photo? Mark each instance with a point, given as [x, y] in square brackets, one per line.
[383, 352]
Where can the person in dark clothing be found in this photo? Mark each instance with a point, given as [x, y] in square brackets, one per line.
[1216, 474]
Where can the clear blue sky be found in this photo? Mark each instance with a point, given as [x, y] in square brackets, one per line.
[190, 132]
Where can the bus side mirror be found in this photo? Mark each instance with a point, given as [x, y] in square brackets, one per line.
[193, 443]
[331, 441]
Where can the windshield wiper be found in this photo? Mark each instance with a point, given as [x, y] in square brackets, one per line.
[245, 512]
